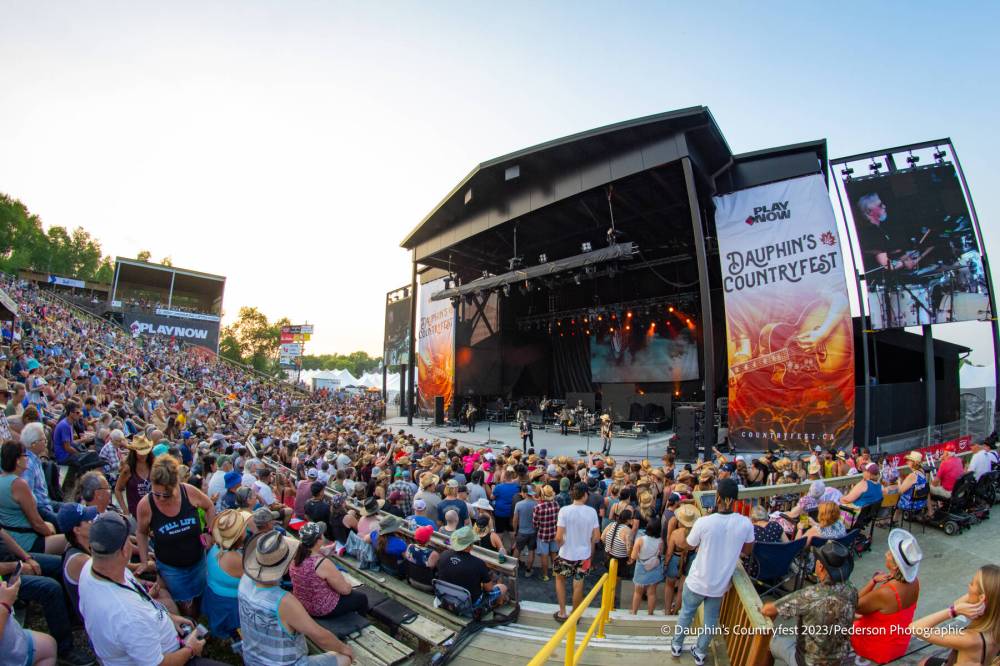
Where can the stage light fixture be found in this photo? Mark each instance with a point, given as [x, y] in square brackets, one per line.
[586, 246]
[875, 166]
[612, 329]
[670, 309]
[514, 263]
[543, 258]
[577, 278]
[629, 314]
[600, 317]
[912, 159]
[628, 327]
[588, 331]
[506, 290]
[939, 155]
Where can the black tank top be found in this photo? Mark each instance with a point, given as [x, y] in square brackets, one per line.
[177, 539]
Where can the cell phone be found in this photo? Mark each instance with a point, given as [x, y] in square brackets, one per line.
[201, 631]
[14, 576]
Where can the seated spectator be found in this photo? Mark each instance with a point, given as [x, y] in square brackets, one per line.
[388, 547]
[317, 583]
[273, 623]
[18, 509]
[866, 491]
[460, 567]
[450, 525]
[369, 519]
[232, 482]
[418, 552]
[263, 521]
[824, 613]
[887, 602]
[766, 530]
[394, 504]
[224, 567]
[978, 642]
[18, 645]
[915, 481]
[486, 535]
[35, 447]
[420, 514]
[317, 508]
[949, 470]
[828, 524]
[125, 625]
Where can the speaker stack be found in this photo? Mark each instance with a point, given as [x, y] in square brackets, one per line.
[689, 425]
[439, 410]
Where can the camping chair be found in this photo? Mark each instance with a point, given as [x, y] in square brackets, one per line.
[453, 598]
[774, 564]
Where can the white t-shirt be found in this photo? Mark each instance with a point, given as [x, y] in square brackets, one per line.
[980, 463]
[217, 484]
[719, 539]
[265, 493]
[579, 522]
[125, 628]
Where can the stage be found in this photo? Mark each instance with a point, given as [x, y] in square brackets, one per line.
[502, 434]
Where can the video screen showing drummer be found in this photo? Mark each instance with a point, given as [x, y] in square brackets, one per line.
[919, 249]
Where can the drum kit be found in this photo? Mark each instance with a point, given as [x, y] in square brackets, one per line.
[952, 288]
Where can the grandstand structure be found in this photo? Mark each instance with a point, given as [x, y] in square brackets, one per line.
[150, 299]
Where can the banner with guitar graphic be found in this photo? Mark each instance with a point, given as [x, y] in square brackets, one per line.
[435, 349]
[788, 319]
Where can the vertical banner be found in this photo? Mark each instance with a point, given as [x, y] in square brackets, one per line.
[395, 348]
[788, 320]
[435, 348]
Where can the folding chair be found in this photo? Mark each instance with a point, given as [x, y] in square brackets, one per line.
[907, 517]
[774, 564]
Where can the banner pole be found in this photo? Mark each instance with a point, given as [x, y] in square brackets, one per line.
[986, 273]
[864, 318]
[410, 402]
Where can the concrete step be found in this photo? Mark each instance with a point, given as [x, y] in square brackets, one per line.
[538, 614]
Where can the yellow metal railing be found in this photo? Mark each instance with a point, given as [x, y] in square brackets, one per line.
[606, 586]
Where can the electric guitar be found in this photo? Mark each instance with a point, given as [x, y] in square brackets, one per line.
[793, 365]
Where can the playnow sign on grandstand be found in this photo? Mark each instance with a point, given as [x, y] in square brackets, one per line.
[203, 333]
[960, 445]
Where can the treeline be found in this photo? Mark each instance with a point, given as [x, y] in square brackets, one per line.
[24, 244]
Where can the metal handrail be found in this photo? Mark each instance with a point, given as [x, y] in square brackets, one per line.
[606, 585]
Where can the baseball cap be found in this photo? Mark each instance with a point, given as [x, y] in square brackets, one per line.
[160, 449]
[232, 479]
[108, 533]
[312, 473]
[71, 515]
[423, 534]
[263, 516]
[419, 505]
[871, 468]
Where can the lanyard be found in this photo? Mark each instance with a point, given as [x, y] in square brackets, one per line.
[137, 589]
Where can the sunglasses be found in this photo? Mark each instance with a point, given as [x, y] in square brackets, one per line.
[161, 495]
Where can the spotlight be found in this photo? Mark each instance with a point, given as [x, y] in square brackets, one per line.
[586, 246]
[912, 159]
[514, 263]
[486, 274]
[846, 172]
[577, 278]
[612, 329]
[939, 155]
[628, 327]
[506, 290]
[588, 331]
[543, 258]
[875, 166]
[600, 318]
[629, 314]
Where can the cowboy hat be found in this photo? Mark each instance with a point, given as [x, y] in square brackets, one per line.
[906, 551]
[548, 492]
[605, 417]
[370, 507]
[140, 445]
[229, 526]
[268, 555]
[686, 514]
[836, 559]
[915, 456]
[388, 525]
[482, 504]
[429, 480]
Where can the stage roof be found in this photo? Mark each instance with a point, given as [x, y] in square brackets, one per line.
[142, 270]
[557, 190]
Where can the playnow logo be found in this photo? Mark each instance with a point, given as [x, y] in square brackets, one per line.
[776, 211]
[163, 329]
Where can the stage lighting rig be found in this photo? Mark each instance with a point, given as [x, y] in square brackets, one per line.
[846, 172]
[543, 258]
[577, 278]
[912, 159]
[875, 166]
[613, 235]
[514, 263]
[939, 155]
[586, 246]
[506, 290]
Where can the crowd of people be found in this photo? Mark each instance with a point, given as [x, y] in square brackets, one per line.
[183, 478]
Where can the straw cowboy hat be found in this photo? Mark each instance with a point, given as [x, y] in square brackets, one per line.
[686, 514]
[268, 555]
[548, 493]
[915, 456]
[605, 417]
[140, 445]
[429, 480]
[229, 527]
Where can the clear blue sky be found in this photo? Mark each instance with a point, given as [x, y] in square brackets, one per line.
[291, 145]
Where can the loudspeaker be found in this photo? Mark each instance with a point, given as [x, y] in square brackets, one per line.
[439, 410]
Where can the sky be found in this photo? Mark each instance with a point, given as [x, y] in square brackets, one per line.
[291, 146]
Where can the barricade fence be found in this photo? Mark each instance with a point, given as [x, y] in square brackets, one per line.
[976, 422]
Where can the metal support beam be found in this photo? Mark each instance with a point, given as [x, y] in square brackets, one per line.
[410, 402]
[170, 296]
[708, 340]
[930, 382]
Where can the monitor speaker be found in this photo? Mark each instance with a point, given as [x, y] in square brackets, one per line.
[439, 410]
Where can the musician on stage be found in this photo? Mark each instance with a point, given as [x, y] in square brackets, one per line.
[564, 420]
[527, 433]
[606, 434]
[470, 416]
[887, 243]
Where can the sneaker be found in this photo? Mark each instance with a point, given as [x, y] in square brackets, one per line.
[545, 578]
[699, 658]
[675, 650]
[77, 658]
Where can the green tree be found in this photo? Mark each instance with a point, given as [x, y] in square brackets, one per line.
[167, 261]
[144, 255]
[253, 340]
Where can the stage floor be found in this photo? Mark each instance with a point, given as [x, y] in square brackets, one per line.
[652, 445]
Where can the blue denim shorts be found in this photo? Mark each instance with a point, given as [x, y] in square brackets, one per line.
[183, 583]
[548, 547]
